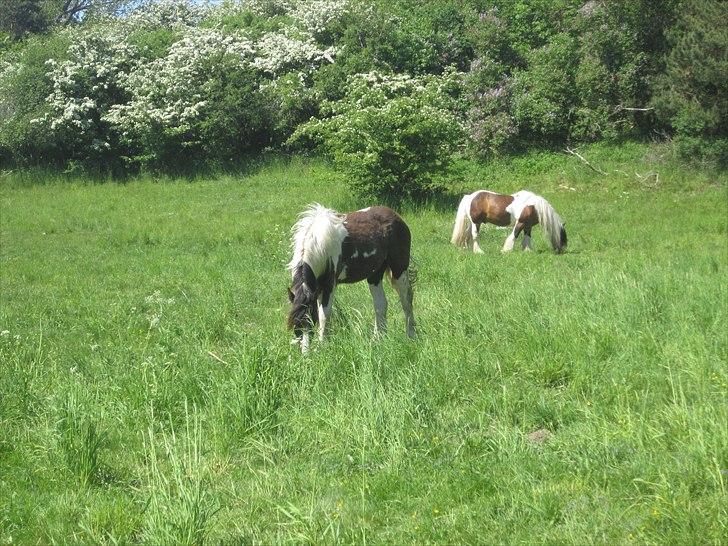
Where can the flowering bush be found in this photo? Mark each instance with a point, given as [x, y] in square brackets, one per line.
[170, 96]
[289, 49]
[165, 14]
[491, 126]
[319, 16]
[393, 135]
[86, 87]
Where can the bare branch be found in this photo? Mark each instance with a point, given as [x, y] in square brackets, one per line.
[649, 180]
[619, 108]
[592, 167]
[213, 355]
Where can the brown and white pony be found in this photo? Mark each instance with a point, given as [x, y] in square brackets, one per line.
[523, 208]
[331, 248]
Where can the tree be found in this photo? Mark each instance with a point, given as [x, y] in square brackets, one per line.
[691, 96]
[65, 12]
[20, 17]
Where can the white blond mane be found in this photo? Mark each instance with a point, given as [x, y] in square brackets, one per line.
[317, 237]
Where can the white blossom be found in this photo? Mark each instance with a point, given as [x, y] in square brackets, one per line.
[316, 16]
[168, 91]
[288, 50]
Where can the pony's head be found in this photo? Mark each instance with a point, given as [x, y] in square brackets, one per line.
[303, 314]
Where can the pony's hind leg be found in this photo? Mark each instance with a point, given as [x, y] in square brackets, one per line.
[474, 232]
[404, 289]
[380, 307]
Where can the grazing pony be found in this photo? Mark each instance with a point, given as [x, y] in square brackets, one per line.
[523, 208]
[331, 248]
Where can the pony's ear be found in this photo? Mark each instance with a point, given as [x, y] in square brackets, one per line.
[290, 295]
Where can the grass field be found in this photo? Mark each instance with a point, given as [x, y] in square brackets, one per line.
[148, 392]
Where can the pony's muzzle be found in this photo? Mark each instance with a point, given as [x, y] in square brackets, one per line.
[302, 341]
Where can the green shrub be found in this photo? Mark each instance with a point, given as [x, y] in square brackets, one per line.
[392, 135]
[24, 88]
[543, 95]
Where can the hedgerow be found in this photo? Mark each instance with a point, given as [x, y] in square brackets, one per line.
[179, 83]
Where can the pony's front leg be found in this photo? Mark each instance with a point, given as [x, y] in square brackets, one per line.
[380, 307]
[325, 303]
[527, 239]
[511, 239]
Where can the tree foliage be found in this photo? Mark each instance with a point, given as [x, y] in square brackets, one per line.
[692, 93]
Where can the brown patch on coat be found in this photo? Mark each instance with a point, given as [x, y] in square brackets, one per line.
[377, 240]
[529, 217]
[490, 207]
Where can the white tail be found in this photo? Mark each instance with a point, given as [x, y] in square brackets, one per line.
[461, 233]
[550, 222]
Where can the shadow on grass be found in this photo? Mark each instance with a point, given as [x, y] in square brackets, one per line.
[40, 175]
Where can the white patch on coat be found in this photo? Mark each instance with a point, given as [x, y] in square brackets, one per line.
[364, 210]
[520, 201]
[369, 254]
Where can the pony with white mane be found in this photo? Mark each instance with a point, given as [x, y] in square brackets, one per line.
[330, 249]
[523, 209]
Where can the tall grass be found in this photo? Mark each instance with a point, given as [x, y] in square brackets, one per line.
[80, 441]
[181, 505]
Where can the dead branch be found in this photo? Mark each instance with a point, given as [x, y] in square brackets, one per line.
[645, 179]
[619, 108]
[213, 355]
[592, 167]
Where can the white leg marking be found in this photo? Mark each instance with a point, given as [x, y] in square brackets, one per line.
[324, 312]
[474, 231]
[404, 290]
[526, 245]
[380, 308]
[304, 343]
[508, 245]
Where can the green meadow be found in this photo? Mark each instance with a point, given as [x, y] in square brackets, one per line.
[149, 394]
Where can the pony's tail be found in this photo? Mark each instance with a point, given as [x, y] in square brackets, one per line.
[551, 223]
[461, 233]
